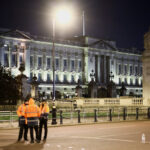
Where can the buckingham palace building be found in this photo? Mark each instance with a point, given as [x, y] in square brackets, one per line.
[75, 58]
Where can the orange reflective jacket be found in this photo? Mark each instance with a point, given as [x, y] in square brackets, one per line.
[44, 109]
[32, 110]
[21, 110]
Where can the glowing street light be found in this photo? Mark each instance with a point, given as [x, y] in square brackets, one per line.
[62, 15]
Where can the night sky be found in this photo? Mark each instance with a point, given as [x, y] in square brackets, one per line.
[124, 21]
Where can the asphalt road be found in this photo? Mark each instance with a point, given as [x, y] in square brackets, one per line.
[104, 136]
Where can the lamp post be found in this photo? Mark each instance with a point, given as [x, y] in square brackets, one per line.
[53, 63]
[62, 15]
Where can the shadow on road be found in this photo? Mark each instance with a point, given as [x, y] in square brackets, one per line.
[23, 146]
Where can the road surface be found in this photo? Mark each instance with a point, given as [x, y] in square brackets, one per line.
[104, 136]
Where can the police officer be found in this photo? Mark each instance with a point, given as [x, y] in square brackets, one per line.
[22, 124]
[44, 109]
[32, 114]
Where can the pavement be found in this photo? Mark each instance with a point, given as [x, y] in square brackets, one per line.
[103, 136]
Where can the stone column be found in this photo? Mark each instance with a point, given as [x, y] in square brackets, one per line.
[146, 69]
[85, 65]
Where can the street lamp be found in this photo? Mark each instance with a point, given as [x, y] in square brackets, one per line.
[63, 16]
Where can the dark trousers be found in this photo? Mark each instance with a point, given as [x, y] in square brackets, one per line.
[36, 132]
[23, 128]
[43, 122]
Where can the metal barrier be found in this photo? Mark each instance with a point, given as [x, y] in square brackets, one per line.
[102, 114]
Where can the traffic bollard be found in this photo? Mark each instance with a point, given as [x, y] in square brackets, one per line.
[110, 114]
[61, 117]
[79, 121]
[148, 113]
[124, 113]
[137, 113]
[95, 115]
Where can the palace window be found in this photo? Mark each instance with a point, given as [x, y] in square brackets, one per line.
[131, 81]
[48, 62]
[6, 62]
[72, 79]
[65, 64]
[141, 71]
[72, 65]
[39, 62]
[125, 81]
[136, 70]
[125, 70]
[57, 63]
[131, 70]
[39, 77]
[31, 61]
[14, 60]
[119, 69]
[31, 76]
[136, 81]
[65, 78]
[48, 78]
[120, 81]
[21, 58]
[57, 79]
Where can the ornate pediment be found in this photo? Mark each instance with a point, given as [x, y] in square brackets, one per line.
[101, 44]
[15, 34]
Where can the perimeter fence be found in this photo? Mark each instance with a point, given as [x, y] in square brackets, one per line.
[85, 115]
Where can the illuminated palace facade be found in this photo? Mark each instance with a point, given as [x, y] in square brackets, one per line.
[74, 59]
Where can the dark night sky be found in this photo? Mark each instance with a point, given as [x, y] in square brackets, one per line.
[124, 21]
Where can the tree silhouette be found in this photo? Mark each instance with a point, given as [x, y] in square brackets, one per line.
[9, 92]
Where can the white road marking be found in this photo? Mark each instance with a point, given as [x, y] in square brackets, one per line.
[116, 127]
[119, 134]
[104, 139]
[59, 146]
[70, 147]
[8, 134]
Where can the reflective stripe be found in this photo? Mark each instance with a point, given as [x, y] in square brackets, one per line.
[32, 120]
[31, 112]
